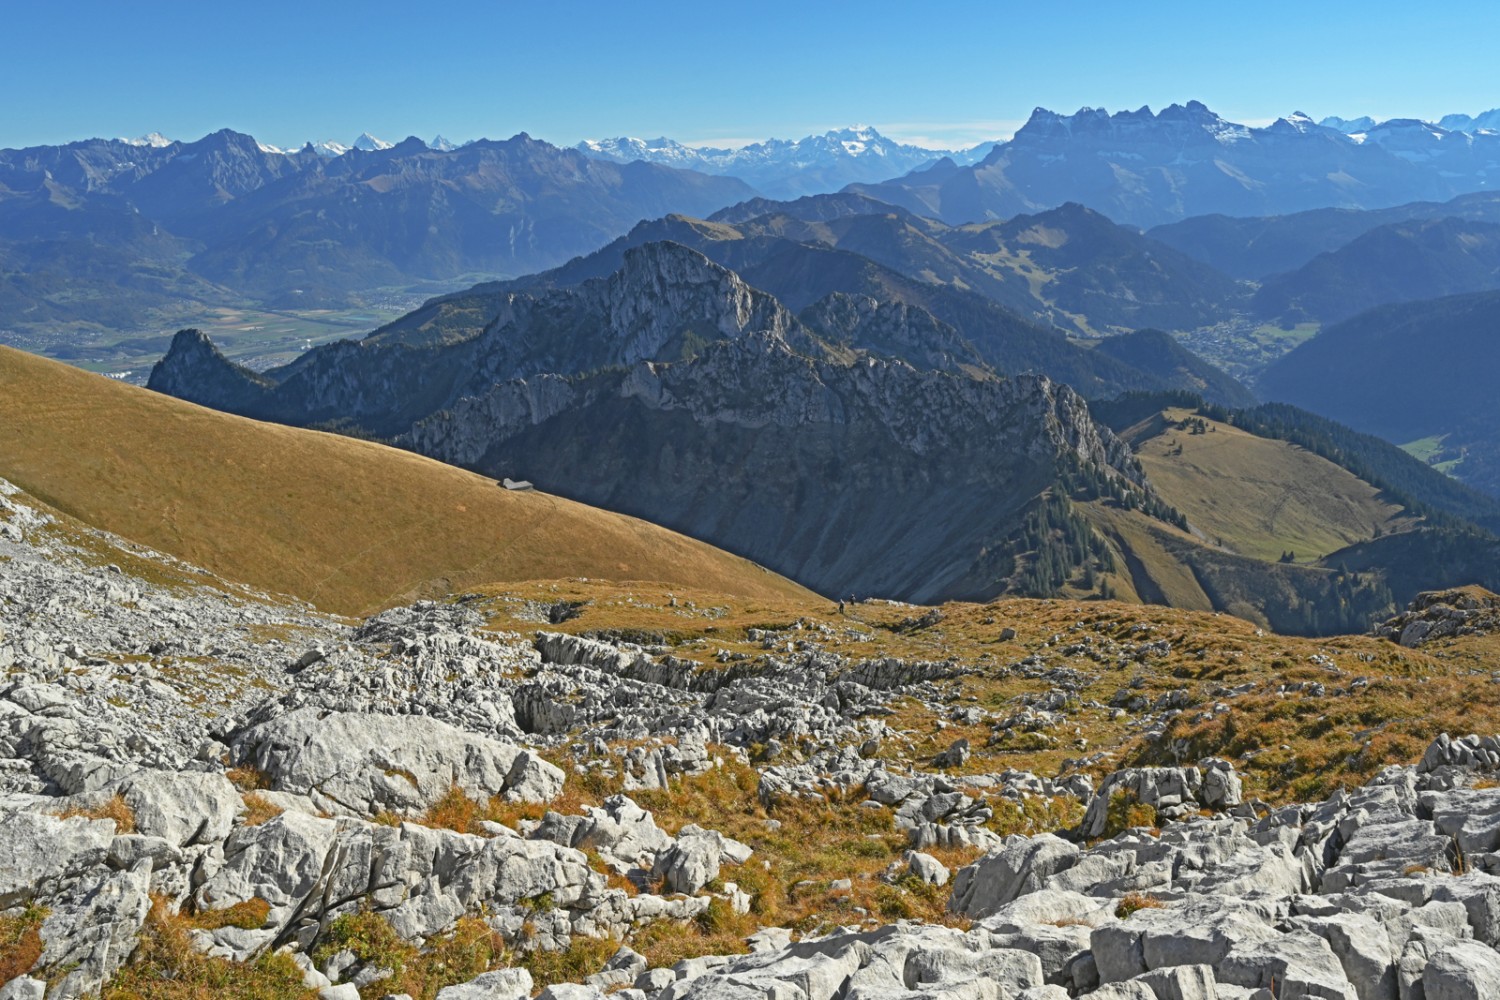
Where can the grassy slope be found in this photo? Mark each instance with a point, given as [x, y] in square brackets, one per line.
[1149, 573]
[1260, 497]
[348, 525]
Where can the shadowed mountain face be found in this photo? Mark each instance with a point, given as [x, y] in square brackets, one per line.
[1254, 248]
[674, 390]
[1401, 262]
[1147, 169]
[1408, 372]
[866, 477]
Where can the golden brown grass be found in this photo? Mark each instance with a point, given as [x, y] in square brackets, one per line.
[454, 811]
[1126, 812]
[115, 809]
[247, 779]
[20, 942]
[259, 809]
[349, 525]
[583, 956]
[470, 949]
[1261, 497]
[1134, 902]
[248, 915]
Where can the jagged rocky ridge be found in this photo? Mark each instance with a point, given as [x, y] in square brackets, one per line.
[1146, 169]
[673, 391]
[1389, 890]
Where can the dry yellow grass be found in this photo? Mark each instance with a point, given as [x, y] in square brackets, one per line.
[259, 809]
[1257, 496]
[115, 809]
[348, 525]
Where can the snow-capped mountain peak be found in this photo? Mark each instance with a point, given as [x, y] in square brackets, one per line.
[153, 139]
[442, 145]
[369, 143]
[1484, 121]
[781, 167]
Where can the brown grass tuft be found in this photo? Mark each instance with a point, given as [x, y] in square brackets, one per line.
[248, 915]
[454, 811]
[116, 810]
[259, 809]
[1132, 902]
[248, 779]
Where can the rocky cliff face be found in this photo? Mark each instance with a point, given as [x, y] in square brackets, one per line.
[665, 301]
[862, 475]
[200, 373]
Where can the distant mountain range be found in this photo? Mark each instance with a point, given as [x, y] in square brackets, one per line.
[1069, 268]
[120, 234]
[1146, 169]
[782, 168]
[1485, 120]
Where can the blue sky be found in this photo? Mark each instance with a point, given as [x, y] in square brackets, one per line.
[936, 73]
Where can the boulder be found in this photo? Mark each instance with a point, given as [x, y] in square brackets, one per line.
[1466, 970]
[926, 868]
[504, 984]
[691, 862]
[182, 808]
[91, 930]
[1021, 866]
[280, 861]
[38, 852]
[363, 763]
[928, 970]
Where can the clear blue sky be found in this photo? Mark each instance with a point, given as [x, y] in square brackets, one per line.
[942, 73]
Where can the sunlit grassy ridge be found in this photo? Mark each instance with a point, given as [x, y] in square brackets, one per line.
[1257, 496]
[348, 525]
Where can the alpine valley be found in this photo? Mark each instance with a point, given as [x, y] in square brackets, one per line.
[822, 569]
